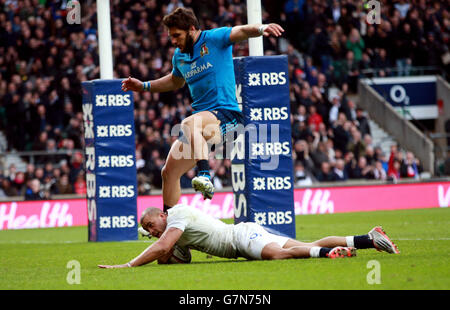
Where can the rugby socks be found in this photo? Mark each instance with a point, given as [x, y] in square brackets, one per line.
[317, 251]
[360, 242]
[203, 168]
[166, 207]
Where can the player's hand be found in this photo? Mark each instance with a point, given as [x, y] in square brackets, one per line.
[273, 29]
[132, 84]
[114, 266]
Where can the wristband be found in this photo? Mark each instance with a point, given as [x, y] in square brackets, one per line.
[261, 29]
[146, 86]
[129, 265]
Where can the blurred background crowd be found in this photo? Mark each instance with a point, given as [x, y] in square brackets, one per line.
[330, 44]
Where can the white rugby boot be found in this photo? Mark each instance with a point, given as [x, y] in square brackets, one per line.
[144, 233]
[203, 184]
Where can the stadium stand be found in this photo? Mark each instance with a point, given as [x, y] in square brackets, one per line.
[329, 45]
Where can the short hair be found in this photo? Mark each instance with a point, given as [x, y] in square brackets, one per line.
[149, 211]
[181, 18]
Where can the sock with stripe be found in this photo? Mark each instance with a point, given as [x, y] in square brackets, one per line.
[317, 251]
[360, 242]
[203, 168]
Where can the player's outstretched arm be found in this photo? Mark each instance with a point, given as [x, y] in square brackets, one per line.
[164, 84]
[243, 32]
[159, 249]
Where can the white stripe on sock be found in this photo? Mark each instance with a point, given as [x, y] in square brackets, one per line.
[350, 241]
[314, 251]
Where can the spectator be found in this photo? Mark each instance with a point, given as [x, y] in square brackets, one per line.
[80, 184]
[362, 122]
[378, 172]
[63, 185]
[186, 179]
[34, 191]
[301, 176]
[410, 168]
[339, 171]
[8, 189]
[362, 170]
[325, 174]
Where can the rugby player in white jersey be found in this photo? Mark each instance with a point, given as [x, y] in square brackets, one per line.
[190, 228]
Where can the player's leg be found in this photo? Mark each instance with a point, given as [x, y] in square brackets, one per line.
[202, 129]
[275, 251]
[375, 239]
[178, 162]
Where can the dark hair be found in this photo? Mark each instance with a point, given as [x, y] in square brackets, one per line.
[181, 18]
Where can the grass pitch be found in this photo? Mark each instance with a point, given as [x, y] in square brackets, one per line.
[38, 259]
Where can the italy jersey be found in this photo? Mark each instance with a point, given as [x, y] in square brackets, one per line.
[209, 71]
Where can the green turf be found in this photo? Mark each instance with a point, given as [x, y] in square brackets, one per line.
[37, 259]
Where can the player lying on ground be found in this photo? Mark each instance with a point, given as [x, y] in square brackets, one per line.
[188, 227]
[203, 60]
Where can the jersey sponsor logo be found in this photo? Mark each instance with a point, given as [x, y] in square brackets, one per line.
[268, 114]
[105, 131]
[116, 191]
[270, 148]
[267, 79]
[271, 183]
[112, 100]
[115, 161]
[273, 218]
[117, 221]
[197, 69]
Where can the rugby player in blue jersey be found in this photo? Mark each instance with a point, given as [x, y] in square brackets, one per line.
[203, 60]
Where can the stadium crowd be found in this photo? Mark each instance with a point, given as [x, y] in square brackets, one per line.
[330, 44]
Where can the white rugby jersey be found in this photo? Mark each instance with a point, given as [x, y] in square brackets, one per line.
[202, 232]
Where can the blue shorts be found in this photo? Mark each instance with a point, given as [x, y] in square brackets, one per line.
[230, 120]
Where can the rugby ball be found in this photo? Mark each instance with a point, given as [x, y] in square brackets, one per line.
[180, 255]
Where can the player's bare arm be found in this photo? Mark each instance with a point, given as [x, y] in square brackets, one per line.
[243, 32]
[159, 249]
[164, 84]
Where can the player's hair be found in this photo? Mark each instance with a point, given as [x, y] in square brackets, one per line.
[181, 18]
[149, 211]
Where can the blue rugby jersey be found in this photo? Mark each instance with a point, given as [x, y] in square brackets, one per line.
[209, 73]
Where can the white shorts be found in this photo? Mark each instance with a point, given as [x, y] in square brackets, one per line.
[250, 239]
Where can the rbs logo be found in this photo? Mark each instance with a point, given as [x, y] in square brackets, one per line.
[105, 131]
[269, 114]
[115, 161]
[112, 100]
[117, 221]
[267, 79]
[114, 191]
[273, 218]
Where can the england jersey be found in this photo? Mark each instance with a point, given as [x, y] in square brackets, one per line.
[209, 71]
[202, 232]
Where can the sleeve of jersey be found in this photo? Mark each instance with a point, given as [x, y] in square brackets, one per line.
[221, 36]
[177, 220]
[175, 70]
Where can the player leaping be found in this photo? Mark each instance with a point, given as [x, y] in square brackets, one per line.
[203, 60]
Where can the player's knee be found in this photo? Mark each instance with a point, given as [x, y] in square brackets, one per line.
[274, 254]
[187, 125]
